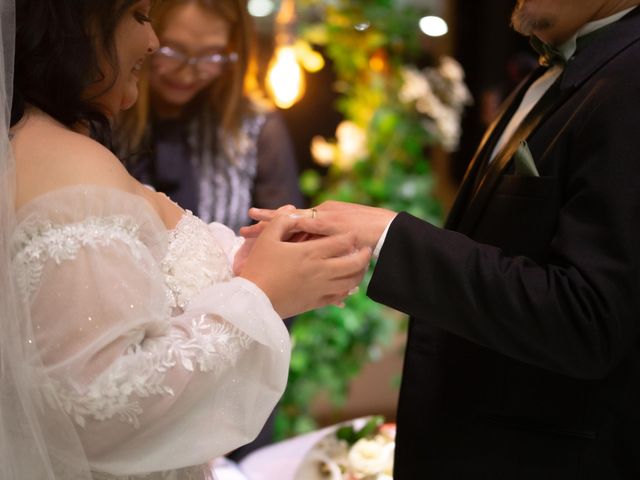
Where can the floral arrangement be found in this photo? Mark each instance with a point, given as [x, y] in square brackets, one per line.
[440, 94]
[364, 453]
[393, 114]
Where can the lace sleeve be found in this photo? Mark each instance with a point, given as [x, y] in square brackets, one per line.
[150, 387]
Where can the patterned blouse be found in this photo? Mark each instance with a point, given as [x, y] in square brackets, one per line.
[218, 177]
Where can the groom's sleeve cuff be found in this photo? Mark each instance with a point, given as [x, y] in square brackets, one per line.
[376, 251]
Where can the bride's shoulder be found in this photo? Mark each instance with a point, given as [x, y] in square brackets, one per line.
[49, 156]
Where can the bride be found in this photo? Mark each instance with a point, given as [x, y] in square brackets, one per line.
[137, 341]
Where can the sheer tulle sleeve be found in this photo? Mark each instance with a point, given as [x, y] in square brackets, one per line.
[151, 384]
[227, 239]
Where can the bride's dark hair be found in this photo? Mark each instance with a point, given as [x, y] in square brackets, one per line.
[57, 48]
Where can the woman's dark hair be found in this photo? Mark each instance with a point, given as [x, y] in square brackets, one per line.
[57, 45]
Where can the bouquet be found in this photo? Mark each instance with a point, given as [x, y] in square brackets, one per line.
[361, 450]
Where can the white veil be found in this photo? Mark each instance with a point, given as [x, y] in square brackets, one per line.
[36, 443]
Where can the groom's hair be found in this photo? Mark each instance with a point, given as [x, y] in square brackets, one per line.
[57, 48]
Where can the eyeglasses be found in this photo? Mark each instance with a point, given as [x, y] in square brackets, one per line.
[172, 60]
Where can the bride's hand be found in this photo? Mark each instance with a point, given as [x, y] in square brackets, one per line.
[264, 216]
[302, 276]
[243, 253]
[330, 218]
[241, 256]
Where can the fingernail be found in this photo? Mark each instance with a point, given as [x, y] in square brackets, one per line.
[353, 290]
[294, 215]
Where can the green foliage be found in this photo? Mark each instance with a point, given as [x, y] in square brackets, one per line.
[368, 43]
[330, 346]
[351, 435]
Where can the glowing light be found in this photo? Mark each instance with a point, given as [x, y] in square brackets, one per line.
[322, 151]
[377, 64]
[311, 60]
[378, 61]
[352, 143]
[433, 26]
[285, 79]
[261, 8]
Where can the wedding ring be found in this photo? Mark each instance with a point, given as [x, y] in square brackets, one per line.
[314, 213]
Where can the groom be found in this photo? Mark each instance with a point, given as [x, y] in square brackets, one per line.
[523, 353]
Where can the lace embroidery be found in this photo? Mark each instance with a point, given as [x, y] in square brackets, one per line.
[194, 261]
[140, 372]
[40, 240]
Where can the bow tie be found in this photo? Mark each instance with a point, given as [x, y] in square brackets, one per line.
[548, 54]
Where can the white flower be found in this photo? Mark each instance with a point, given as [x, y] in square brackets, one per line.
[439, 94]
[451, 69]
[414, 85]
[430, 104]
[371, 457]
[449, 128]
[331, 454]
[460, 96]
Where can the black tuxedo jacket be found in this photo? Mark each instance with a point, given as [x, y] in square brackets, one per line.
[523, 353]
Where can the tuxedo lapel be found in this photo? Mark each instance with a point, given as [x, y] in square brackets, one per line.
[486, 146]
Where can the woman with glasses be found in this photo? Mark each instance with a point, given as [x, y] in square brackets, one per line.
[195, 134]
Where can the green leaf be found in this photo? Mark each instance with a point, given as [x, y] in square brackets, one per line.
[370, 427]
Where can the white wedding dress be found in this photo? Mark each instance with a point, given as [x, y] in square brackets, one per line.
[162, 358]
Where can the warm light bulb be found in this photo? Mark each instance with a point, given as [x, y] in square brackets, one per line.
[285, 79]
[261, 8]
[433, 26]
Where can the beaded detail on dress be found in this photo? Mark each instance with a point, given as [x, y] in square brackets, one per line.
[193, 261]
